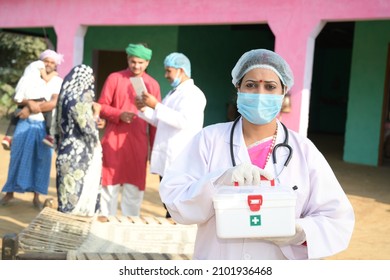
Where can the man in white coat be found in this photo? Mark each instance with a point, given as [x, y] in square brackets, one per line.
[178, 117]
[241, 152]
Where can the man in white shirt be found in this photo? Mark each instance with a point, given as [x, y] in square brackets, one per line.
[178, 117]
[30, 163]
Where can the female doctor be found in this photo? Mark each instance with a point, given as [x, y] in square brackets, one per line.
[228, 154]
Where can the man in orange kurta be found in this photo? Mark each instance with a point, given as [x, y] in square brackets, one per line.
[127, 137]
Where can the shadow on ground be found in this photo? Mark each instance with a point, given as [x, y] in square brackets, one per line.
[356, 179]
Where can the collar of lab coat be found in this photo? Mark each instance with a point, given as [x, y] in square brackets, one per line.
[240, 151]
[183, 85]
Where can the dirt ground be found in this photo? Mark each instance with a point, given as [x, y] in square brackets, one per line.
[368, 189]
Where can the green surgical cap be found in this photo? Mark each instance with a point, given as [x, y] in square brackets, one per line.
[139, 51]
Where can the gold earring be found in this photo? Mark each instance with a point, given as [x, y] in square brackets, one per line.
[286, 105]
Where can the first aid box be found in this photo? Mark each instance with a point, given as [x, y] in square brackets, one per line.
[254, 211]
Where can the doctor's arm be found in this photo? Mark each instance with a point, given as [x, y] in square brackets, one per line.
[186, 188]
[145, 112]
[185, 111]
[327, 216]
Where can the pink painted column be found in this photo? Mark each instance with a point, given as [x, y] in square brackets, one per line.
[69, 44]
[294, 41]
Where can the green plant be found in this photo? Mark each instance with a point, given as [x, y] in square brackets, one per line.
[16, 52]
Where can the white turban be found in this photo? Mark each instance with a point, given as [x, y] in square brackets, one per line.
[57, 57]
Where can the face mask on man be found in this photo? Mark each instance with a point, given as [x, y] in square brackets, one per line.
[176, 81]
[259, 108]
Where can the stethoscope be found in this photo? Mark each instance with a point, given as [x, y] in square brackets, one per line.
[277, 146]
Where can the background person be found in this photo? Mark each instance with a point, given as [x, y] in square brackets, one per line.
[127, 138]
[79, 152]
[323, 213]
[30, 162]
[178, 117]
[28, 87]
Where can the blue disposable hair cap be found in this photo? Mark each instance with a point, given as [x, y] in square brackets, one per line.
[178, 60]
[262, 58]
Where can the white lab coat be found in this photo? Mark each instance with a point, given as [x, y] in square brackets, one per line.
[178, 118]
[323, 209]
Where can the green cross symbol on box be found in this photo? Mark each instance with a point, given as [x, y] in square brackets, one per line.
[255, 220]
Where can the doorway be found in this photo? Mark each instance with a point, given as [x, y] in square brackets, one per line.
[104, 63]
[330, 86]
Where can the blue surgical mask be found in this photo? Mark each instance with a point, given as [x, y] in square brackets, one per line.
[259, 108]
[176, 81]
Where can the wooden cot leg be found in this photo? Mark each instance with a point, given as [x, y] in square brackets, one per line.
[10, 246]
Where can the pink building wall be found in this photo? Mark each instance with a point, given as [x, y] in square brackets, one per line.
[295, 24]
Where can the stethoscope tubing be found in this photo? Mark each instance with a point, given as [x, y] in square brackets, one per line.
[284, 144]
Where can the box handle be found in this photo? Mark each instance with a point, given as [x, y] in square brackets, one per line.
[255, 202]
[262, 178]
[271, 182]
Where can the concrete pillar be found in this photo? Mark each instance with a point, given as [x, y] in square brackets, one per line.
[70, 42]
[295, 42]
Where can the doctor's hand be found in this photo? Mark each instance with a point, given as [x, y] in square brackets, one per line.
[149, 100]
[297, 239]
[243, 174]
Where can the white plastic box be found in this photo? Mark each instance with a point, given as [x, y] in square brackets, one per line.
[254, 211]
